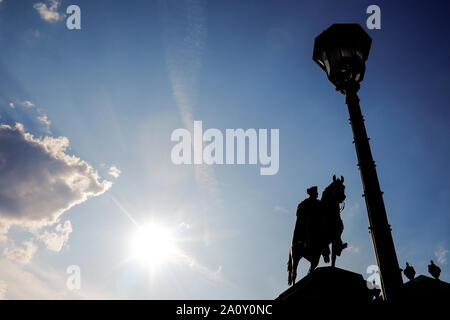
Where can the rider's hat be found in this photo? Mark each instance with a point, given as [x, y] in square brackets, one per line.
[312, 190]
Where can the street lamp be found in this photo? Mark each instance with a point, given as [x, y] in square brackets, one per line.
[341, 51]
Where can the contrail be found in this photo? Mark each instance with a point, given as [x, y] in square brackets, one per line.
[185, 35]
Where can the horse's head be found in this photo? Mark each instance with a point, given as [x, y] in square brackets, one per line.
[336, 190]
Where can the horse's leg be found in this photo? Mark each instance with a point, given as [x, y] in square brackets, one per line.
[326, 254]
[336, 248]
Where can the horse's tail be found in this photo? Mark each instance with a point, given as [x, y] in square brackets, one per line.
[289, 267]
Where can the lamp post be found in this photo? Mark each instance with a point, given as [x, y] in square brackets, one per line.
[341, 51]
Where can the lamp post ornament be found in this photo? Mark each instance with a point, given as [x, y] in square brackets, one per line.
[341, 51]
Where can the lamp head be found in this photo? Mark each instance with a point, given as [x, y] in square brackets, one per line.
[341, 51]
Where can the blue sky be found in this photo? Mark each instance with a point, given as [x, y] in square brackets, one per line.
[137, 70]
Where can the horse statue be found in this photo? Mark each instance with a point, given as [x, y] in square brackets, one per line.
[318, 225]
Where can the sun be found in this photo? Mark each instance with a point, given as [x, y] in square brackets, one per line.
[153, 245]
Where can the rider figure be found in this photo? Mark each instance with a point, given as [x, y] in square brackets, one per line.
[308, 221]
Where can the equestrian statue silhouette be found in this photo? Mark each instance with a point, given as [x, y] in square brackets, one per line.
[318, 225]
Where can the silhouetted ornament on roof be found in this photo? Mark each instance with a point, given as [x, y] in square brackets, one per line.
[409, 272]
[434, 270]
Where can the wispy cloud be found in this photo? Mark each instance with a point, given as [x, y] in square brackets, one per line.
[185, 34]
[212, 275]
[44, 120]
[3, 285]
[185, 225]
[28, 104]
[280, 209]
[353, 249]
[441, 255]
[353, 210]
[114, 171]
[22, 103]
[21, 255]
[49, 12]
[41, 282]
[55, 240]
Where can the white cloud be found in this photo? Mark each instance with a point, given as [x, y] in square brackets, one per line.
[211, 275]
[40, 181]
[55, 240]
[24, 103]
[353, 249]
[352, 210]
[114, 171]
[21, 255]
[441, 255]
[28, 104]
[3, 286]
[280, 209]
[44, 120]
[185, 225]
[49, 13]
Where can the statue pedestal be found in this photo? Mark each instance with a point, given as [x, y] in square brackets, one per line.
[328, 285]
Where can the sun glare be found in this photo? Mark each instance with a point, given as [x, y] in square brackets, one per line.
[153, 245]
